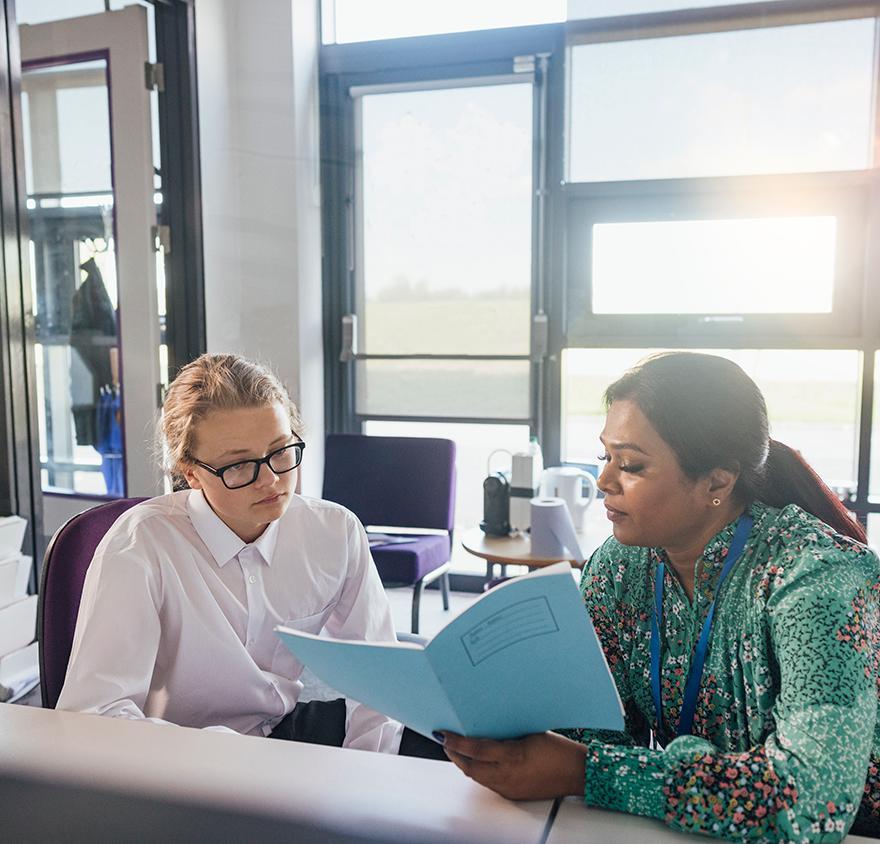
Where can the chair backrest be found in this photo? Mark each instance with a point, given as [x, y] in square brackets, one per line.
[64, 569]
[395, 481]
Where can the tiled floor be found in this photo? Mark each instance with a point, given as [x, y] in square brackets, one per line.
[431, 614]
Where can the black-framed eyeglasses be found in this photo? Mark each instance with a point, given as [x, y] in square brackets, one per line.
[245, 472]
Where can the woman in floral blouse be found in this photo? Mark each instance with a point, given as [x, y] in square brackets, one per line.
[778, 738]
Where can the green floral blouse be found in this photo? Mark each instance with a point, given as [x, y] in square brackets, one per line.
[786, 741]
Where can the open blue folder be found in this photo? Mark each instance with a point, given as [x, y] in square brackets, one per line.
[522, 659]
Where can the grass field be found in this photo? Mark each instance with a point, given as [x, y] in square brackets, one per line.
[466, 326]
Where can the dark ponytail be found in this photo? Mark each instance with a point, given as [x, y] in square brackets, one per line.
[713, 416]
[789, 479]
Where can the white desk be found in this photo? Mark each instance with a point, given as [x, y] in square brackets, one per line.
[342, 791]
[324, 794]
[576, 823]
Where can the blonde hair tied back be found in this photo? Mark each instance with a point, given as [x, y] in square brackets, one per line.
[214, 382]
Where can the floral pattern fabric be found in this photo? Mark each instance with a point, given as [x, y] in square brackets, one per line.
[786, 742]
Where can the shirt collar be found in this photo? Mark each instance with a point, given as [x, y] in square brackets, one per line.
[223, 543]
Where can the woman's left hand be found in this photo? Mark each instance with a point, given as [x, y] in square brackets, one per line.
[537, 767]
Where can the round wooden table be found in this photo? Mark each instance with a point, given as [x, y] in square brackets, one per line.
[516, 550]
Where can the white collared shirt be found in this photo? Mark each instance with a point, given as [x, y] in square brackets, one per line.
[177, 616]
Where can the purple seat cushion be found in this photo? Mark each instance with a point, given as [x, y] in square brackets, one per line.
[411, 561]
[64, 569]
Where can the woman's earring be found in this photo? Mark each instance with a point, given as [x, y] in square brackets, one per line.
[716, 502]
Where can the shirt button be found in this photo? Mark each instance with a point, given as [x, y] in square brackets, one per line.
[253, 578]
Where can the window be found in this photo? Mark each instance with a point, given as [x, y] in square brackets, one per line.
[710, 183]
[780, 259]
[443, 268]
[443, 258]
[70, 205]
[452, 388]
[769, 265]
[444, 276]
[724, 103]
[738, 217]
[446, 205]
[739, 227]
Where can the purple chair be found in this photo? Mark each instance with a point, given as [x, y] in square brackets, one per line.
[64, 568]
[399, 482]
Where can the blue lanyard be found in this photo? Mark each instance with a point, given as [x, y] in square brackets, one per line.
[692, 687]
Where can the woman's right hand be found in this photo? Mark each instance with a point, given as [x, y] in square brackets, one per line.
[537, 767]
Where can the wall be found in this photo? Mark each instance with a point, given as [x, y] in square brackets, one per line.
[258, 111]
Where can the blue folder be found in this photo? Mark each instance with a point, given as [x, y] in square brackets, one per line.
[524, 658]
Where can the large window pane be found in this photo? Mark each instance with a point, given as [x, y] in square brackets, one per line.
[367, 20]
[490, 389]
[406, 321]
[474, 444]
[75, 290]
[812, 401]
[446, 211]
[770, 265]
[727, 103]
[73, 100]
[874, 531]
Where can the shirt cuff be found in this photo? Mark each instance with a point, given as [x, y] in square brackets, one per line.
[366, 729]
[625, 779]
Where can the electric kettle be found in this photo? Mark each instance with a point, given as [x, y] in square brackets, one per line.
[567, 483]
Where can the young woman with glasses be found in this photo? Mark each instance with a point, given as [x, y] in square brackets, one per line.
[181, 598]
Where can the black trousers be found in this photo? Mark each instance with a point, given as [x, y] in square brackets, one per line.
[323, 722]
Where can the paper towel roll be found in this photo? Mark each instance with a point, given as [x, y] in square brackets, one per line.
[553, 534]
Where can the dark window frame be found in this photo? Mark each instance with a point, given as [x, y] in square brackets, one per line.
[185, 331]
[421, 60]
[854, 195]
[844, 196]
[855, 324]
[20, 487]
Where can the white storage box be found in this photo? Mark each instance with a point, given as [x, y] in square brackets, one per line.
[19, 671]
[18, 624]
[11, 534]
[14, 575]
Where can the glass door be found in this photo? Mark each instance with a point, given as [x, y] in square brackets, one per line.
[89, 176]
[444, 269]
